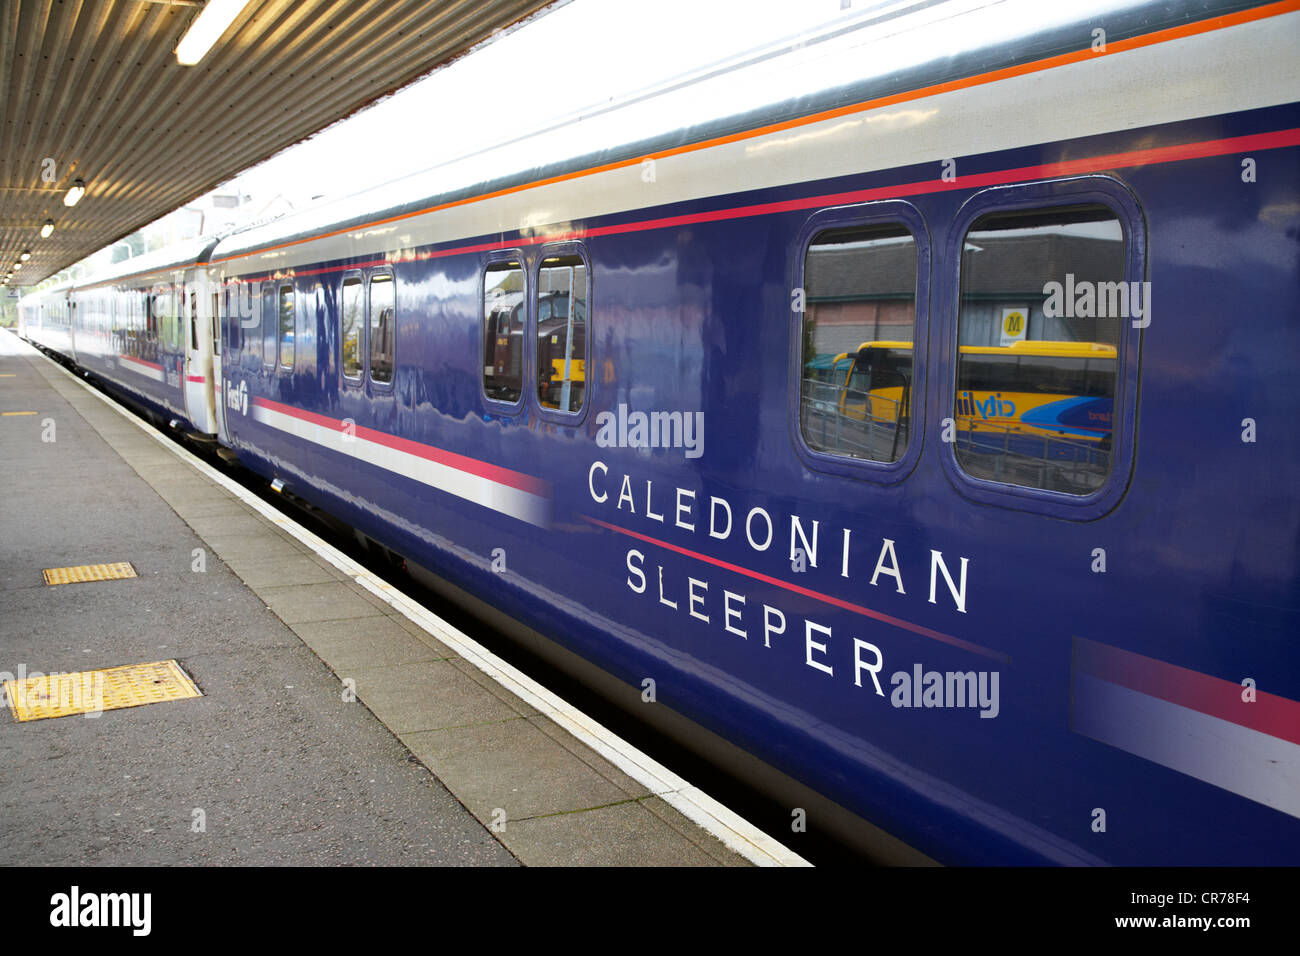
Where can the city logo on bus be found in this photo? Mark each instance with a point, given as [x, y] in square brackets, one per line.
[992, 407]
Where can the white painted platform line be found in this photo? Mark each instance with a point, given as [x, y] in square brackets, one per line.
[735, 832]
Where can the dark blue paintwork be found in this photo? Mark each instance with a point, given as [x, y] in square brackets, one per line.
[1201, 530]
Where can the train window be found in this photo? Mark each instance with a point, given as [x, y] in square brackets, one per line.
[859, 314]
[1043, 306]
[228, 334]
[245, 320]
[270, 325]
[286, 313]
[155, 305]
[194, 322]
[145, 336]
[250, 322]
[151, 302]
[562, 332]
[234, 327]
[382, 332]
[171, 331]
[350, 333]
[504, 318]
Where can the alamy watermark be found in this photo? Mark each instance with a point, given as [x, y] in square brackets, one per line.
[83, 691]
[922, 688]
[1098, 300]
[128, 910]
[626, 429]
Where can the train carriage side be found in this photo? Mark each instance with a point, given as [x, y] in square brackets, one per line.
[975, 644]
[144, 328]
[45, 318]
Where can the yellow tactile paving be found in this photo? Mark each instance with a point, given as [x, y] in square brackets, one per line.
[9, 414]
[89, 572]
[87, 692]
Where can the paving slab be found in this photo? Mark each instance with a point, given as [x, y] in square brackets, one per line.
[299, 569]
[592, 759]
[514, 767]
[617, 835]
[348, 646]
[309, 603]
[426, 695]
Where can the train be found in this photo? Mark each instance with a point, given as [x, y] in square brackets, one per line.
[728, 400]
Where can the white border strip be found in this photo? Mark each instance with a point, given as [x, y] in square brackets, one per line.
[505, 499]
[737, 833]
[1242, 760]
[140, 368]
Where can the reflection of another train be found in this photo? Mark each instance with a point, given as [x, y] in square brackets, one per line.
[561, 371]
[1028, 406]
[561, 334]
[504, 344]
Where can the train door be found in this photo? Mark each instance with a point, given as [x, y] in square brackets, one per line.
[217, 391]
[199, 404]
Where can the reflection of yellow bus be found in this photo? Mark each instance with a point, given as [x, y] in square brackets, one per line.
[877, 384]
[1007, 396]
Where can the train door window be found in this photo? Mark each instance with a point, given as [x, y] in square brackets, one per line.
[243, 324]
[170, 328]
[241, 307]
[233, 332]
[1043, 306]
[350, 333]
[504, 321]
[151, 305]
[145, 336]
[859, 316]
[194, 321]
[216, 323]
[270, 324]
[383, 331]
[155, 304]
[287, 315]
[172, 335]
[562, 332]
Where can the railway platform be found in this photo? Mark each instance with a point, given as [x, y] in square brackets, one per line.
[333, 720]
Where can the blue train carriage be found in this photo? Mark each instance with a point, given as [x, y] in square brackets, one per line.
[1066, 638]
[144, 327]
[44, 318]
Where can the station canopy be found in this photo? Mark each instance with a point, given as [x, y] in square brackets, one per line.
[93, 91]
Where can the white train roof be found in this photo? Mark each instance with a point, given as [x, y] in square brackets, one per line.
[841, 63]
[170, 258]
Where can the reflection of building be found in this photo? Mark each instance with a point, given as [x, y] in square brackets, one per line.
[1010, 272]
[859, 292]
